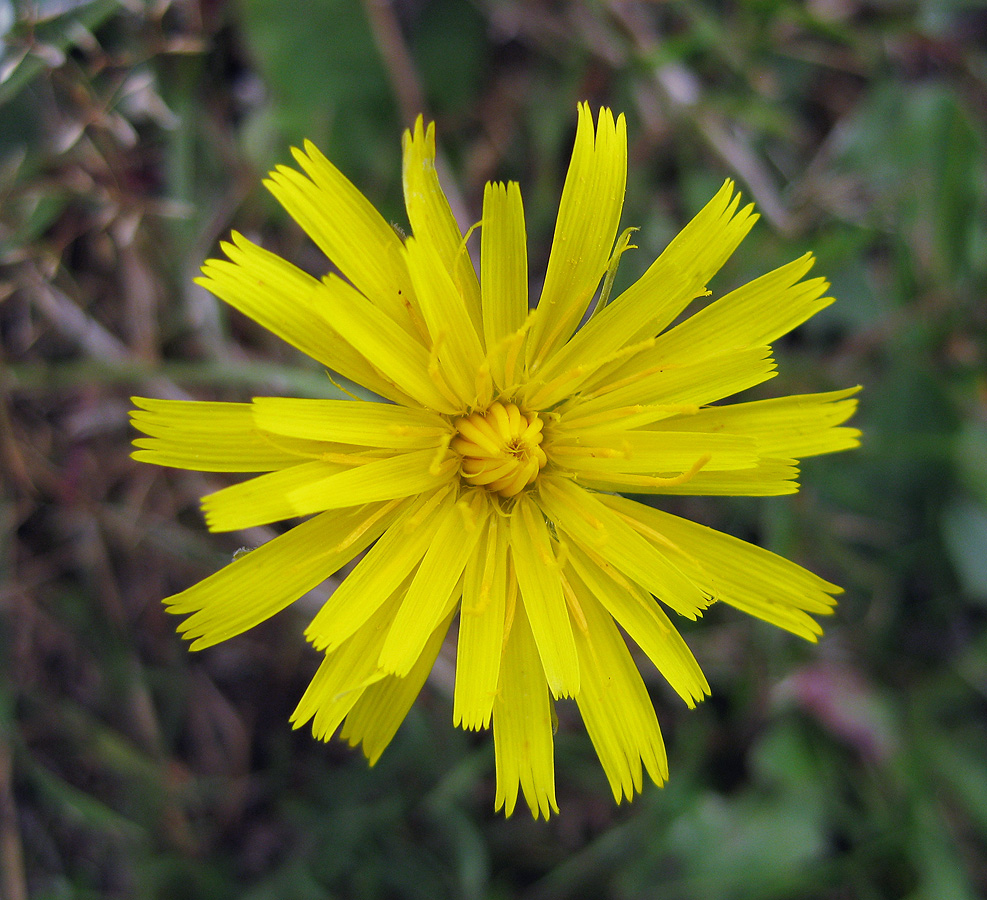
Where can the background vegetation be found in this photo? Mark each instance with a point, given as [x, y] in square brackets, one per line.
[133, 136]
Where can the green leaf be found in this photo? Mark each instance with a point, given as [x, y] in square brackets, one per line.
[964, 528]
[57, 33]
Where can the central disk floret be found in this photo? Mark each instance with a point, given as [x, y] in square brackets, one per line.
[501, 448]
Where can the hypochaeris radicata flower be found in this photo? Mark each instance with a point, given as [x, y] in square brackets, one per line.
[483, 489]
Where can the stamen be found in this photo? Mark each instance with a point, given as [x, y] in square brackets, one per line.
[340, 388]
[512, 346]
[272, 439]
[602, 418]
[428, 507]
[435, 373]
[591, 452]
[467, 508]
[435, 467]
[460, 253]
[562, 555]
[511, 605]
[630, 379]
[629, 350]
[545, 389]
[486, 582]
[546, 342]
[622, 414]
[581, 369]
[564, 498]
[420, 431]
[547, 557]
[623, 244]
[468, 235]
[629, 416]
[628, 479]
[352, 459]
[574, 606]
[656, 536]
[484, 385]
[687, 475]
[416, 317]
[614, 574]
[361, 529]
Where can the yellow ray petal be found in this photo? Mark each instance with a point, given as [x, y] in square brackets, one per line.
[745, 576]
[673, 281]
[795, 426]
[436, 578]
[640, 615]
[431, 218]
[383, 706]
[323, 703]
[351, 422]
[449, 325]
[375, 335]
[264, 581]
[333, 482]
[211, 437]
[347, 228]
[266, 499]
[769, 478]
[614, 703]
[481, 627]
[541, 591]
[345, 673]
[684, 383]
[753, 315]
[503, 270]
[522, 726]
[396, 476]
[584, 232]
[655, 453]
[381, 572]
[287, 303]
[584, 519]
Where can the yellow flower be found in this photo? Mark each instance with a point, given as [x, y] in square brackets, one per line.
[484, 483]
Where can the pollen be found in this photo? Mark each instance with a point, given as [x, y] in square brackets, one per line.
[500, 448]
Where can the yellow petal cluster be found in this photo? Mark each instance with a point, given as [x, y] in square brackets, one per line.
[500, 448]
[481, 494]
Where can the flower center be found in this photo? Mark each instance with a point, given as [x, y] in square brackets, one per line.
[501, 448]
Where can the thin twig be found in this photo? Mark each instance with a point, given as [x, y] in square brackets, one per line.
[70, 320]
[410, 96]
[678, 90]
[400, 66]
[13, 883]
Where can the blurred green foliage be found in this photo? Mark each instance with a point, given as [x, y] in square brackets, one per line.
[134, 137]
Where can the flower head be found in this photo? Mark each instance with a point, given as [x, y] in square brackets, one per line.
[484, 484]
